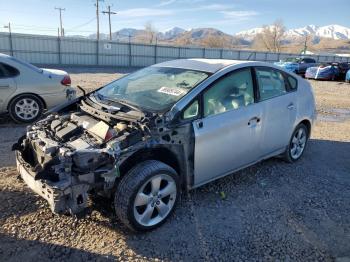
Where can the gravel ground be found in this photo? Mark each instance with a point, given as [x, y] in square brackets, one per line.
[271, 211]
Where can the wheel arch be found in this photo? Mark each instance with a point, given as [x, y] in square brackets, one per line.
[307, 123]
[27, 93]
[162, 154]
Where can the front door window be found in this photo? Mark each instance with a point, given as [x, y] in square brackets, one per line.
[230, 92]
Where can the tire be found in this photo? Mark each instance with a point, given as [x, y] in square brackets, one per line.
[26, 108]
[134, 199]
[293, 153]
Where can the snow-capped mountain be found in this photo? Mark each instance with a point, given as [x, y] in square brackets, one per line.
[303, 31]
[329, 31]
[249, 34]
[172, 33]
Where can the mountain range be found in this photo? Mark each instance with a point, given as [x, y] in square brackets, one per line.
[336, 32]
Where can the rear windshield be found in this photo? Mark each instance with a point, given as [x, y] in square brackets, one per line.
[21, 62]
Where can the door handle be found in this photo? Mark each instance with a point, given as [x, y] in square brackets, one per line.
[4, 86]
[255, 118]
[200, 124]
[290, 106]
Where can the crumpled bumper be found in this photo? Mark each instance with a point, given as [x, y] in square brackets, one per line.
[62, 196]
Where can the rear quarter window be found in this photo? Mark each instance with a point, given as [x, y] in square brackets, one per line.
[8, 71]
[293, 83]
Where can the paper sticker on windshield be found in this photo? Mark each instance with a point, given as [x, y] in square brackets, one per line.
[171, 91]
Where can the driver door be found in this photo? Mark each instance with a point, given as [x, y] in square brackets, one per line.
[227, 136]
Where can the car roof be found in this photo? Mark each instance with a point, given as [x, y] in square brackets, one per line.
[201, 64]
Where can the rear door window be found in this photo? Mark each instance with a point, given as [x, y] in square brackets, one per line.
[271, 83]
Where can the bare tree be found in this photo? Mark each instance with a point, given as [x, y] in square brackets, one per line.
[185, 40]
[214, 42]
[271, 36]
[150, 32]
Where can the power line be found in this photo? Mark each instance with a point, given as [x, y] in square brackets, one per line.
[60, 10]
[42, 28]
[27, 28]
[35, 26]
[109, 12]
[7, 11]
[33, 29]
[86, 23]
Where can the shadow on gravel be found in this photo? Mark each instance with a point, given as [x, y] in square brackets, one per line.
[32, 250]
[17, 203]
[272, 210]
[9, 134]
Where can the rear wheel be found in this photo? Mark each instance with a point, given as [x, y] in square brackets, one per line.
[26, 108]
[297, 144]
[147, 195]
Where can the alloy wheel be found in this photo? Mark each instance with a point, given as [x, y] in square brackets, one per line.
[155, 200]
[27, 108]
[298, 143]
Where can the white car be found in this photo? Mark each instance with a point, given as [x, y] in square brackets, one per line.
[26, 90]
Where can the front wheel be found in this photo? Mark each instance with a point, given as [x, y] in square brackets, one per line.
[147, 195]
[297, 144]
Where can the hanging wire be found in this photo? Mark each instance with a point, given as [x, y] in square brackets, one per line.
[82, 25]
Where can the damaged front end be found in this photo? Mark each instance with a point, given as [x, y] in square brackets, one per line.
[64, 157]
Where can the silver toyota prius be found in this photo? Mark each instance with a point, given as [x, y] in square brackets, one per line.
[143, 139]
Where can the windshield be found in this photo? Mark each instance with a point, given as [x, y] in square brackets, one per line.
[36, 69]
[153, 88]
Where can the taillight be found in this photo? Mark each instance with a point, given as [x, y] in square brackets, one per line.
[66, 80]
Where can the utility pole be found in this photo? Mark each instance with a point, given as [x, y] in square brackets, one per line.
[9, 27]
[60, 10]
[98, 19]
[10, 37]
[109, 18]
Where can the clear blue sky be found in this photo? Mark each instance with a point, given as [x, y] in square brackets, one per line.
[230, 16]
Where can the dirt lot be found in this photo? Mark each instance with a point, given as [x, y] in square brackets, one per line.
[272, 210]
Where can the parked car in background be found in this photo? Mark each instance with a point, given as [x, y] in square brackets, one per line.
[297, 65]
[343, 69]
[167, 128]
[347, 77]
[26, 90]
[326, 71]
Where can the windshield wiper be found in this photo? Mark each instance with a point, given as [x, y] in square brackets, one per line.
[119, 101]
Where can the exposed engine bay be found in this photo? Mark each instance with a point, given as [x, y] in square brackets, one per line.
[65, 156]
